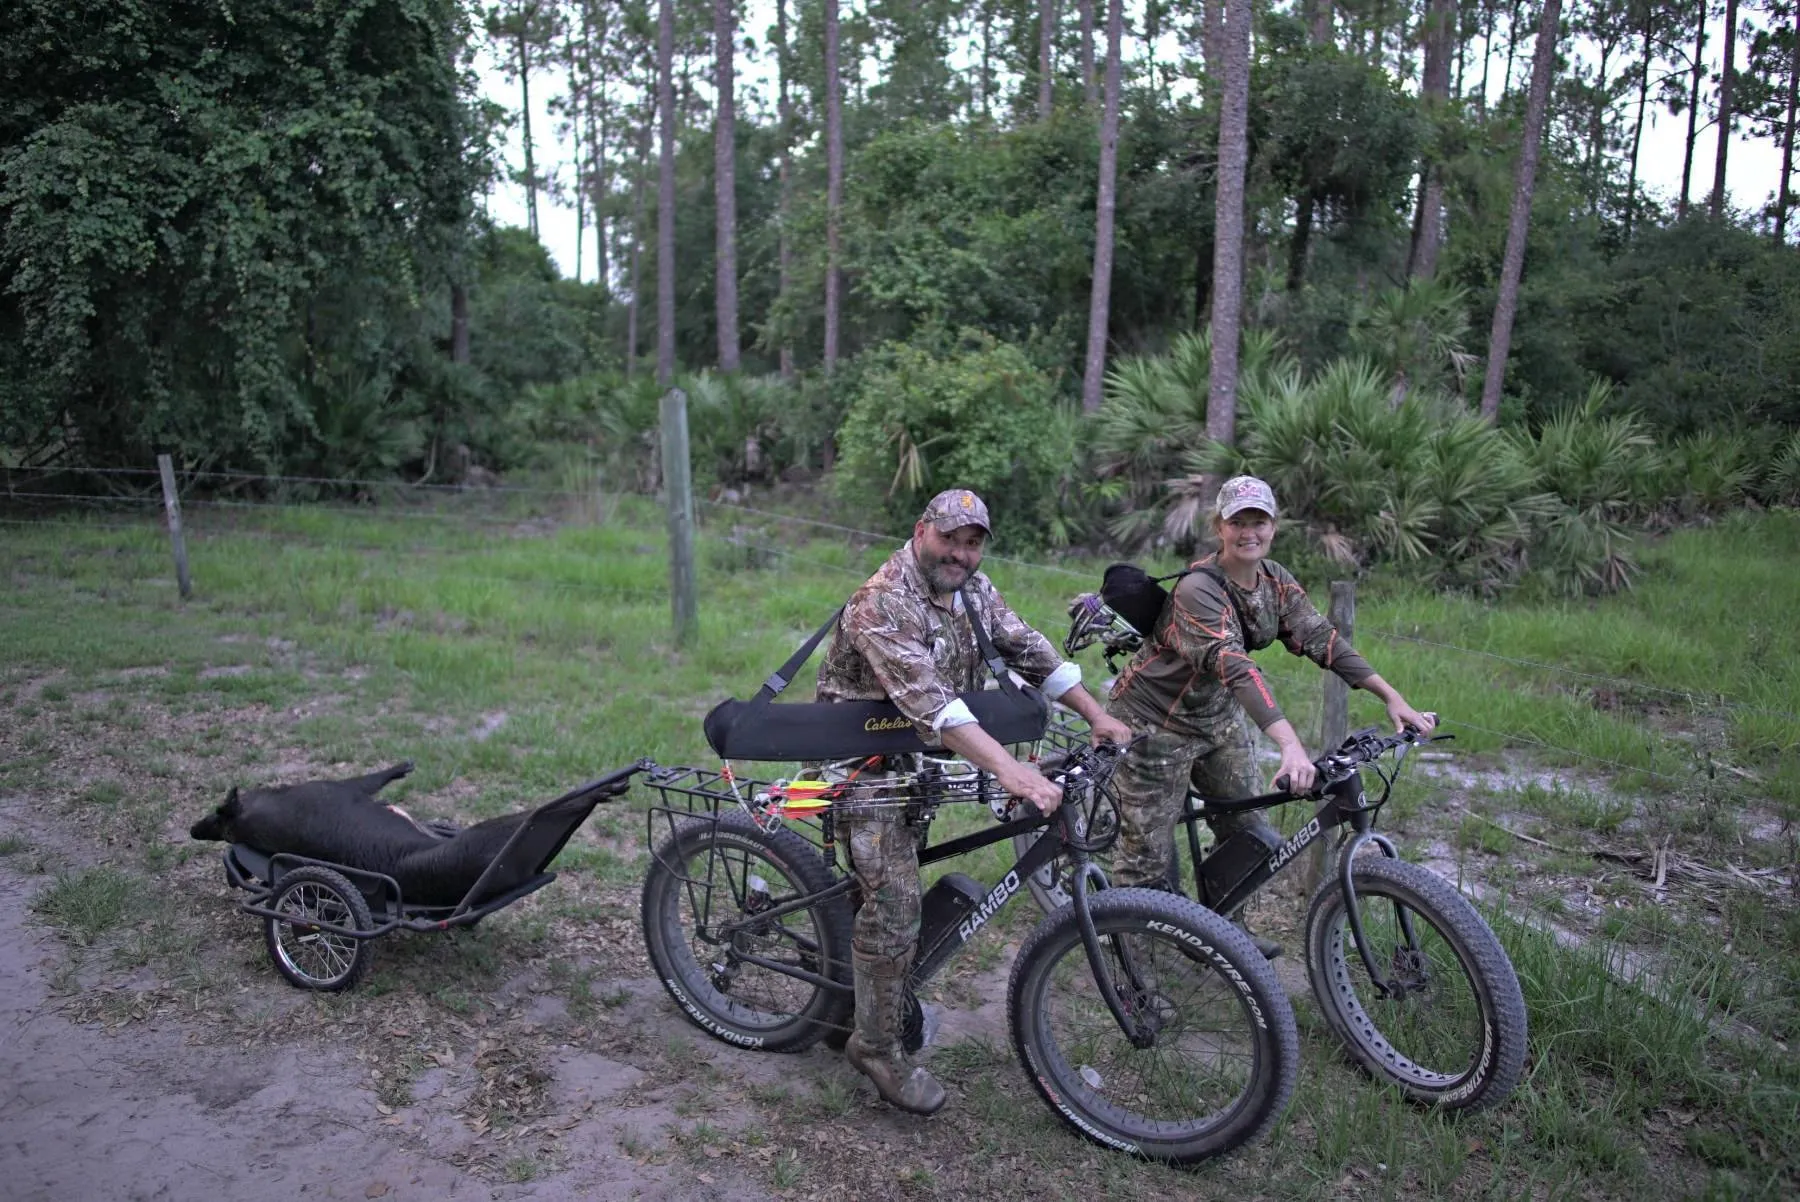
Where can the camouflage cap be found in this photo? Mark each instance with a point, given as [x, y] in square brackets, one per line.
[1245, 492]
[955, 508]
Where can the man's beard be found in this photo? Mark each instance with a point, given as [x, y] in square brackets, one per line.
[938, 573]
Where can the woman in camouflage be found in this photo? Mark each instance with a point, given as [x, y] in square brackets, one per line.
[1194, 688]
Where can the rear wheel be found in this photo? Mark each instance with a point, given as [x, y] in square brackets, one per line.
[722, 964]
[1447, 1022]
[1221, 1050]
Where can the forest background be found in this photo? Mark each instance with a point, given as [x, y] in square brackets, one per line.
[894, 247]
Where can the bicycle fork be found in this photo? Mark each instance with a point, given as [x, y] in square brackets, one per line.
[1126, 1002]
[1386, 985]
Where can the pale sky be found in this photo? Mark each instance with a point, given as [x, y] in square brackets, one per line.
[1753, 167]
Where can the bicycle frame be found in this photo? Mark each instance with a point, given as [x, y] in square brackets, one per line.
[1344, 805]
[946, 943]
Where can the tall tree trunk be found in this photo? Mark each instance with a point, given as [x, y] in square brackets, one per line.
[526, 11]
[599, 112]
[1787, 141]
[1687, 161]
[1596, 164]
[1086, 8]
[1718, 188]
[987, 57]
[1100, 297]
[1512, 49]
[665, 194]
[1203, 273]
[602, 181]
[1213, 23]
[834, 185]
[637, 249]
[459, 323]
[1487, 54]
[1462, 47]
[1512, 268]
[1046, 58]
[1319, 26]
[1434, 87]
[579, 110]
[1228, 222]
[725, 183]
[1637, 129]
[1297, 248]
[784, 254]
[1153, 18]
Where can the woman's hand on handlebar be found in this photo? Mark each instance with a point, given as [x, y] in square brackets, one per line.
[1108, 730]
[1403, 715]
[1296, 774]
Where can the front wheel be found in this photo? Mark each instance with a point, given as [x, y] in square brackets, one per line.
[1447, 1024]
[1219, 1052]
[723, 965]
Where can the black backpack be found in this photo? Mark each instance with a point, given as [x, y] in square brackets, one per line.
[1139, 597]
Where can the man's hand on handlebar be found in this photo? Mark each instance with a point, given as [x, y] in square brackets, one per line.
[1025, 781]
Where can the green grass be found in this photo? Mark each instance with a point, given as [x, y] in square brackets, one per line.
[86, 905]
[514, 657]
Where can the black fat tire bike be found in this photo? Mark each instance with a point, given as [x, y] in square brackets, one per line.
[1407, 973]
[1147, 1022]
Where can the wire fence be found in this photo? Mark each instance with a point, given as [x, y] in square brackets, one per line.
[150, 501]
[1526, 832]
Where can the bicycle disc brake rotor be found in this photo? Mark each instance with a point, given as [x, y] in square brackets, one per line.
[1411, 973]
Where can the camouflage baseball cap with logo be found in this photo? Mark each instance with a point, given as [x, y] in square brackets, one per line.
[955, 508]
[1245, 492]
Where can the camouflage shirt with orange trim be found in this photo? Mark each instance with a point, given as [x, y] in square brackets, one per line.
[1196, 664]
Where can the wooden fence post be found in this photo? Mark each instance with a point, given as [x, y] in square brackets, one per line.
[172, 507]
[1335, 718]
[678, 497]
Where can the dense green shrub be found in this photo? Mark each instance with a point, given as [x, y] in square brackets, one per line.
[973, 413]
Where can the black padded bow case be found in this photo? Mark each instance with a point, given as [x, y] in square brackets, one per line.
[758, 729]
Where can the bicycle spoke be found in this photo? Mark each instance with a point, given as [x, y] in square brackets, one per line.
[1201, 1058]
[1431, 1015]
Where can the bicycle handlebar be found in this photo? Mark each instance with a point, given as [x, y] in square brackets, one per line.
[1363, 747]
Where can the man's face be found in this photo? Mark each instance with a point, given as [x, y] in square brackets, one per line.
[948, 560]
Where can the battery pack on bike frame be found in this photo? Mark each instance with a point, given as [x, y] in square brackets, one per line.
[944, 905]
[1233, 860]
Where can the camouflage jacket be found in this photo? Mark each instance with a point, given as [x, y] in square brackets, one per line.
[1196, 664]
[896, 642]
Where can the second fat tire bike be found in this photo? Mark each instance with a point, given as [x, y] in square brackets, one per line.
[1407, 973]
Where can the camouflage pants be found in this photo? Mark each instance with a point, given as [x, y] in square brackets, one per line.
[1152, 785]
[884, 857]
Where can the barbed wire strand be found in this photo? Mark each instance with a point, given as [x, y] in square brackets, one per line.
[1620, 765]
[185, 474]
[889, 538]
[153, 501]
[1690, 696]
[1693, 698]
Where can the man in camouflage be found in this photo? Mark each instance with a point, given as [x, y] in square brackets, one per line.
[1195, 689]
[905, 637]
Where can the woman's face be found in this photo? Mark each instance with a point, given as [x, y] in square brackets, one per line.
[1245, 538]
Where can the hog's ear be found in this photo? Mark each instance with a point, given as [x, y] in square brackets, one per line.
[230, 805]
